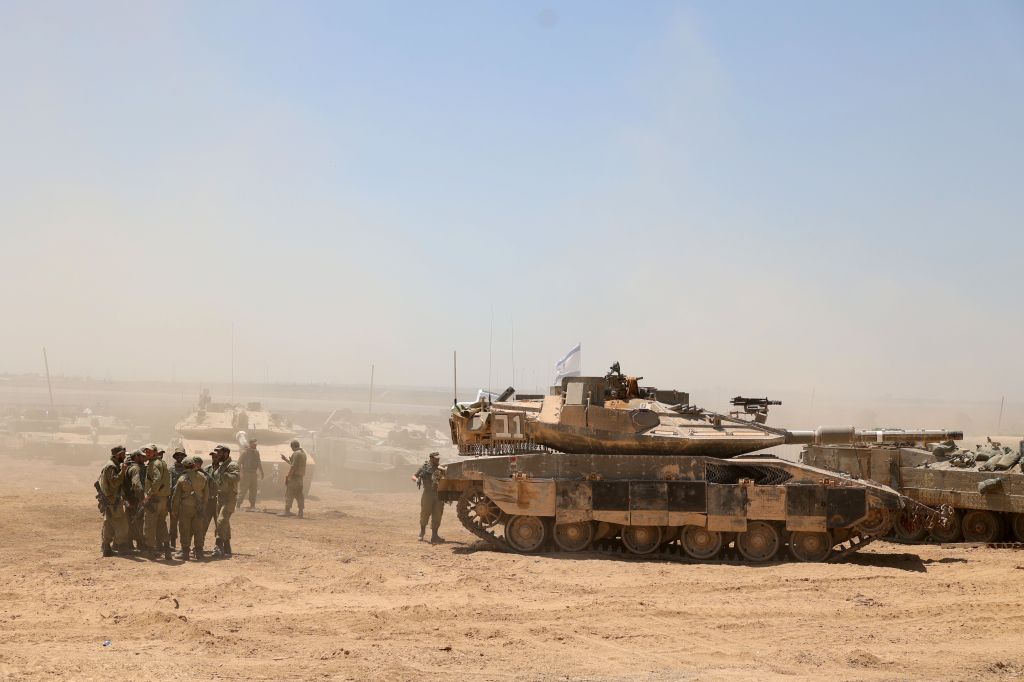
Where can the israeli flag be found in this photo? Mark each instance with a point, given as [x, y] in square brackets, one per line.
[569, 365]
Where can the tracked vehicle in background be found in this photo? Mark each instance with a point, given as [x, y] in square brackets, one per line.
[983, 486]
[234, 425]
[604, 463]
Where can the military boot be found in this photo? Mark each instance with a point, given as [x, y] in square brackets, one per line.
[300, 513]
[435, 539]
[219, 549]
[199, 555]
[183, 555]
[227, 548]
[107, 551]
[423, 531]
[167, 552]
[286, 512]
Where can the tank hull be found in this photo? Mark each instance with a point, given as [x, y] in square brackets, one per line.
[994, 499]
[667, 500]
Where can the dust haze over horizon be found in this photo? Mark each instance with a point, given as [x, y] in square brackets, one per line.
[824, 198]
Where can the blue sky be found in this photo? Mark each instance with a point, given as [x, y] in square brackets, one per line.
[761, 195]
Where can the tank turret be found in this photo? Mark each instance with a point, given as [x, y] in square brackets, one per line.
[614, 414]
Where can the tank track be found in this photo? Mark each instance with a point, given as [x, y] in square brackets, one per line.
[672, 551]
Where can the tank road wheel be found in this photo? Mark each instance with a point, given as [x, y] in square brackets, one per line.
[810, 546]
[482, 510]
[877, 523]
[701, 543]
[1018, 527]
[641, 539]
[981, 525]
[951, 532]
[760, 542]
[574, 537]
[910, 527]
[526, 533]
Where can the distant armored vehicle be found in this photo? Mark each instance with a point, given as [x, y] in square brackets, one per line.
[232, 425]
[374, 455]
[606, 463]
[985, 486]
[79, 440]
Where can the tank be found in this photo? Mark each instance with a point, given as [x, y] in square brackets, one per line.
[233, 425]
[81, 439]
[374, 455]
[603, 463]
[984, 486]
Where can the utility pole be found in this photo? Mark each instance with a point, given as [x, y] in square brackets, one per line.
[49, 387]
[999, 424]
[371, 389]
[232, 363]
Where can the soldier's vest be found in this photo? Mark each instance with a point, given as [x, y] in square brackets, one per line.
[227, 487]
[211, 482]
[192, 483]
[111, 494]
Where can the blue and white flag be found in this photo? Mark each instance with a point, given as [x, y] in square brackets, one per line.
[568, 366]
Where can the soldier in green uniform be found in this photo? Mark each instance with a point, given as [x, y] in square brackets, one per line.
[226, 475]
[180, 465]
[293, 490]
[115, 524]
[249, 466]
[157, 489]
[210, 510]
[187, 504]
[431, 506]
[134, 484]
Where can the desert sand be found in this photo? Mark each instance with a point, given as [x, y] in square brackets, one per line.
[349, 593]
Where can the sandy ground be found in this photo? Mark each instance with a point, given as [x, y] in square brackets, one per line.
[349, 593]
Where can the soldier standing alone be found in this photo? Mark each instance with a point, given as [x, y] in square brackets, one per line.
[187, 504]
[226, 475]
[294, 479]
[115, 525]
[249, 465]
[431, 506]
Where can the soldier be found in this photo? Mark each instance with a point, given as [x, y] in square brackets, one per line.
[431, 506]
[157, 490]
[180, 465]
[210, 510]
[187, 504]
[226, 476]
[249, 465]
[115, 525]
[293, 480]
[134, 491]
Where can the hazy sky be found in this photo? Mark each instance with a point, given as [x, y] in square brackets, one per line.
[759, 195]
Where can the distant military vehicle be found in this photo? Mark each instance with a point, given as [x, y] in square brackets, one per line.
[81, 439]
[374, 455]
[604, 462]
[985, 485]
[232, 425]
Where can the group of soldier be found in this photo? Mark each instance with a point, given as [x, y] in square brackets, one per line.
[149, 507]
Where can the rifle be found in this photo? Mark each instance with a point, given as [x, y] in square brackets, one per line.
[101, 499]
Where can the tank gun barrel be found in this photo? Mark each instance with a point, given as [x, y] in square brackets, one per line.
[847, 435]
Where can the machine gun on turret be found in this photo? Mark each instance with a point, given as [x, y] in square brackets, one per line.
[755, 406]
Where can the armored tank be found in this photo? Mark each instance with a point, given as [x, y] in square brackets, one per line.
[225, 423]
[984, 486]
[605, 463]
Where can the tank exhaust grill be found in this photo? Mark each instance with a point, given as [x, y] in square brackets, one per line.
[732, 473]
